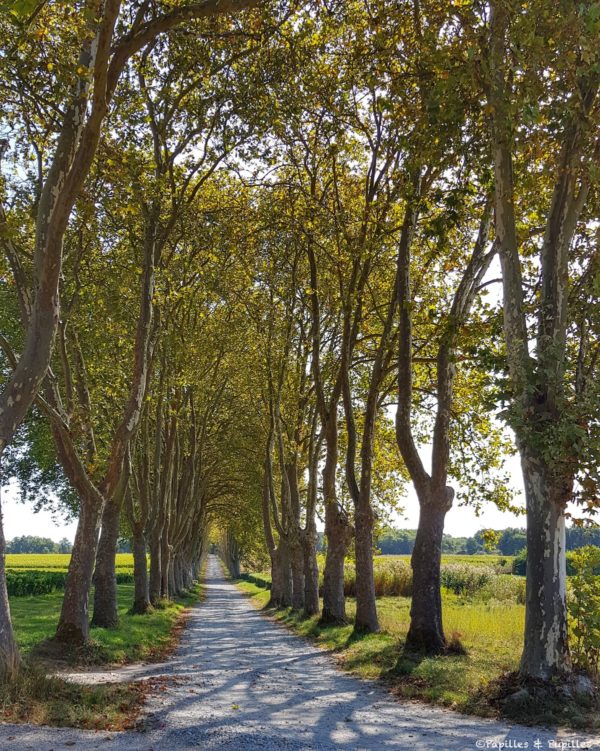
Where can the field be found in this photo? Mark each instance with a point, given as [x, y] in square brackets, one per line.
[478, 559]
[56, 561]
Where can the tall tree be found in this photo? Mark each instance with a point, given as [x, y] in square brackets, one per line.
[549, 407]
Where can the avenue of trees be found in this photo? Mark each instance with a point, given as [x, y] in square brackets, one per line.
[265, 263]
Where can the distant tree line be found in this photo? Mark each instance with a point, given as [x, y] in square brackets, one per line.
[510, 541]
[33, 544]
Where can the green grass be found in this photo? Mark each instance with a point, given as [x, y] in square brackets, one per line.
[491, 632]
[138, 637]
[34, 697]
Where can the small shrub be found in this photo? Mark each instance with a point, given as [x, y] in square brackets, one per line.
[463, 579]
[584, 609]
[393, 579]
[504, 588]
[519, 564]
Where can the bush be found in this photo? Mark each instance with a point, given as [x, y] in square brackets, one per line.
[504, 588]
[463, 579]
[27, 583]
[519, 564]
[31, 582]
[584, 609]
[391, 578]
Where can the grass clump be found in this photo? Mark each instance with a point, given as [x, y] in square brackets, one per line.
[31, 696]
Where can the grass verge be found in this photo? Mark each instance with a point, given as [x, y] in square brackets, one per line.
[138, 638]
[491, 632]
[49, 700]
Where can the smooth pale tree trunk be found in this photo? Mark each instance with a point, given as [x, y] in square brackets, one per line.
[311, 575]
[9, 653]
[366, 620]
[141, 592]
[105, 575]
[426, 632]
[297, 565]
[73, 625]
[276, 578]
[155, 568]
[339, 535]
[546, 649]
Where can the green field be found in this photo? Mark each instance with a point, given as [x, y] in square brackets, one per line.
[478, 559]
[56, 561]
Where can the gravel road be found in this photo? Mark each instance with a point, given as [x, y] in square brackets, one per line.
[243, 682]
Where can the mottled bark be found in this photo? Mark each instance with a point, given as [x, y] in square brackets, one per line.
[171, 577]
[311, 575]
[73, 624]
[105, 576]
[286, 573]
[9, 653]
[165, 559]
[141, 593]
[366, 620]
[276, 598]
[339, 536]
[297, 566]
[155, 567]
[426, 632]
[538, 384]
[545, 650]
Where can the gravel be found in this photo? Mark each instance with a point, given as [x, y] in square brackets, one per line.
[242, 682]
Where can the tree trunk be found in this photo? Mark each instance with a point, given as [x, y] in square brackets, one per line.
[171, 577]
[366, 620]
[297, 563]
[546, 649]
[141, 592]
[286, 571]
[9, 653]
[339, 534]
[155, 568]
[73, 626]
[426, 632]
[311, 575]
[276, 579]
[105, 577]
[165, 560]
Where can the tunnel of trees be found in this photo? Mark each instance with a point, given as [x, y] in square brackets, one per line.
[265, 263]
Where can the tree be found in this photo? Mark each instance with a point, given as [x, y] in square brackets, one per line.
[548, 393]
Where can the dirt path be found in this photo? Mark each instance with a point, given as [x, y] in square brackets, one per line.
[244, 682]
